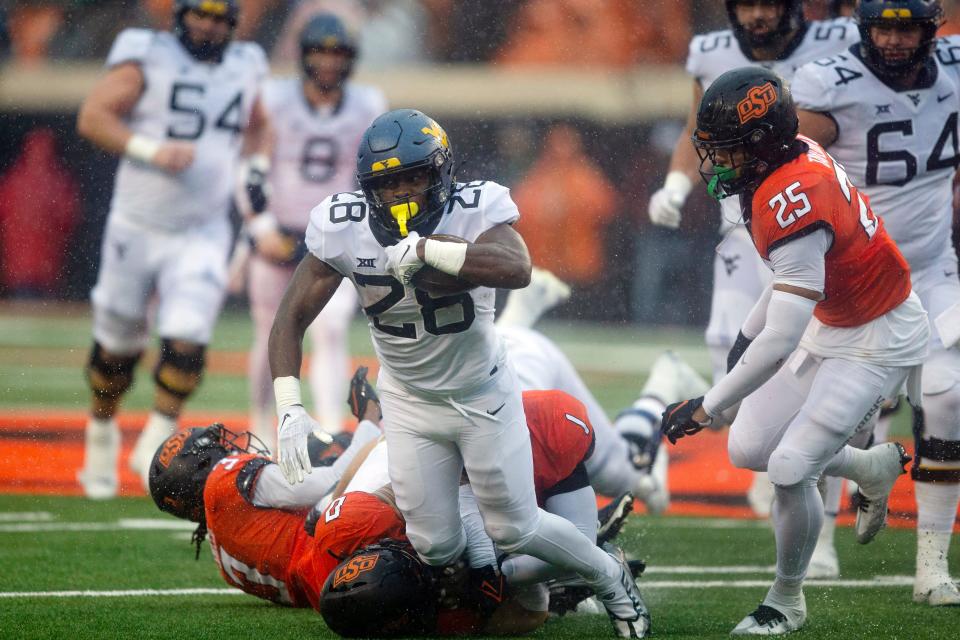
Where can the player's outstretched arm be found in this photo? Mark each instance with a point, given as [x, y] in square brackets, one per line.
[101, 116]
[313, 284]
[498, 258]
[666, 202]
[819, 126]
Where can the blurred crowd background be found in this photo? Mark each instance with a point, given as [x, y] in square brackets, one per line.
[581, 181]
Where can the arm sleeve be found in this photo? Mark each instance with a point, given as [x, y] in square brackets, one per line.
[787, 318]
[753, 324]
[800, 262]
[132, 45]
[274, 492]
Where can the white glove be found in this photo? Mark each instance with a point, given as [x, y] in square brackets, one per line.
[664, 207]
[292, 431]
[402, 260]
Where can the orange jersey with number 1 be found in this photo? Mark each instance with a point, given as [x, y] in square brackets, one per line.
[866, 276]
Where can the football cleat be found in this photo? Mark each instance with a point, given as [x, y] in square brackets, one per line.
[672, 380]
[944, 594]
[888, 462]
[611, 518]
[572, 595]
[636, 622]
[767, 621]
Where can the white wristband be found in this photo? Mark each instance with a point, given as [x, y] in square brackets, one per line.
[261, 224]
[142, 148]
[259, 162]
[445, 256]
[286, 391]
[679, 183]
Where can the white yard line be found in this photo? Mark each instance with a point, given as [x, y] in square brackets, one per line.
[711, 570]
[879, 581]
[124, 524]
[129, 593]
[26, 516]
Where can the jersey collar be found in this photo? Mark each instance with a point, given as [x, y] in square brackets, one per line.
[925, 79]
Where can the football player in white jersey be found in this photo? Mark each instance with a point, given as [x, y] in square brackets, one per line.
[887, 110]
[627, 456]
[179, 108]
[774, 35]
[318, 119]
[451, 400]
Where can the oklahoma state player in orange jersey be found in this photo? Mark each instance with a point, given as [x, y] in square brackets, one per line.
[837, 333]
[256, 520]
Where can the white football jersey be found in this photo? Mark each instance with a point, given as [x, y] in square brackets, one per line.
[437, 345]
[713, 54]
[898, 147]
[191, 101]
[315, 151]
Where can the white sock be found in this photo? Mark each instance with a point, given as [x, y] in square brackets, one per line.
[644, 420]
[101, 445]
[932, 549]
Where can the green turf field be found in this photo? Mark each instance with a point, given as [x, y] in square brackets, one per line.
[704, 574]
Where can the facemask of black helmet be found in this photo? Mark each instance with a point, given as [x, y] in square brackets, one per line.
[727, 166]
[204, 49]
[898, 36]
[182, 464]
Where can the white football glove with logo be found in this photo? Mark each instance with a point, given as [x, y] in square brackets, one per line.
[402, 260]
[665, 203]
[295, 424]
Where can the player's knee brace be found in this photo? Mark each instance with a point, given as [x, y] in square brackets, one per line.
[790, 467]
[935, 460]
[438, 553]
[109, 377]
[178, 373]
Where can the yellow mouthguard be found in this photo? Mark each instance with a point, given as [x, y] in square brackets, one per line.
[403, 212]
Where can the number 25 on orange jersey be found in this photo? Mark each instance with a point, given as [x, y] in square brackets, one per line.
[779, 204]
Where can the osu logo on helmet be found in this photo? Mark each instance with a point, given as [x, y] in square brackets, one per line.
[757, 102]
[172, 447]
[354, 568]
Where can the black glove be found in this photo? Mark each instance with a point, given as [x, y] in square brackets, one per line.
[677, 420]
[295, 247]
[256, 188]
[361, 393]
[736, 351]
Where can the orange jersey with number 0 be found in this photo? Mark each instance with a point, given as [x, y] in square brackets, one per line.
[866, 276]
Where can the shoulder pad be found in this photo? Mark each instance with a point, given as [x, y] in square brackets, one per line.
[247, 477]
[131, 45]
[948, 50]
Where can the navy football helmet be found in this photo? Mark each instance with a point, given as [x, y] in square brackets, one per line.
[205, 51]
[327, 32]
[928, 14]
[791, 20]
[398, 145]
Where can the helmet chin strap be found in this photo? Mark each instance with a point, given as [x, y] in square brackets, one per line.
[403, 212]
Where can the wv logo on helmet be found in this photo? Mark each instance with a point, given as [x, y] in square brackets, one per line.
[757, 102]
[358, 565]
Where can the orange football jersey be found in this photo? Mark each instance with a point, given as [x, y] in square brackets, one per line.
[866, 276]
[264, 552]
[355, 520]
[561, 437]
